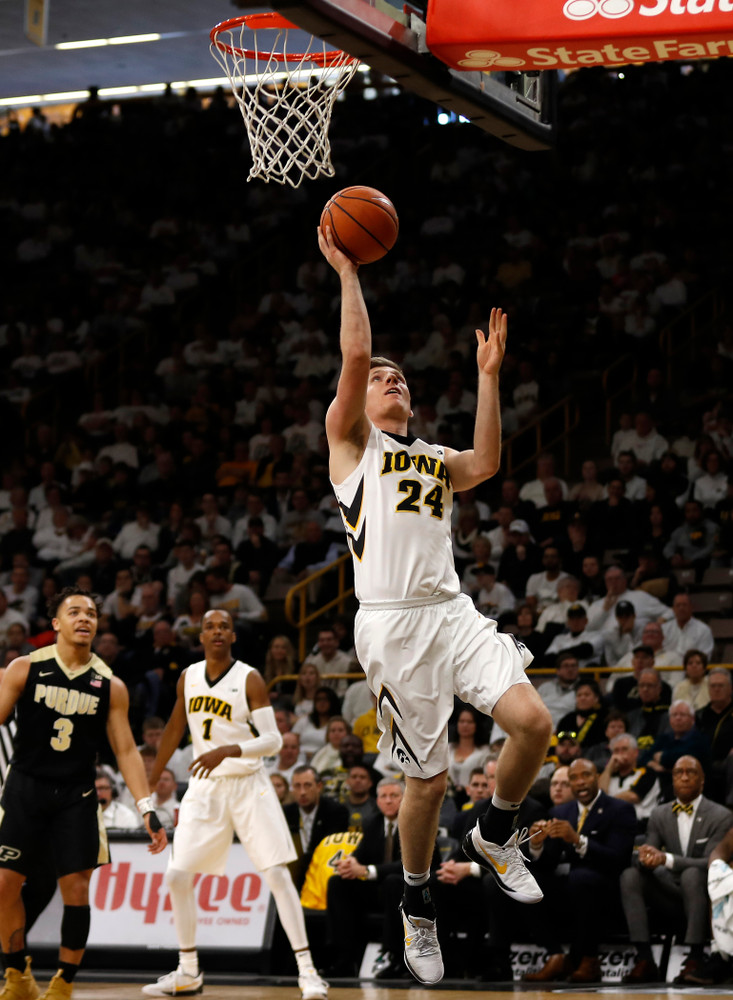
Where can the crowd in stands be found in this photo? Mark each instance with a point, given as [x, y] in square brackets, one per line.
[163, 407]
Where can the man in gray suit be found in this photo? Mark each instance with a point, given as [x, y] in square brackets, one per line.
[670, 873]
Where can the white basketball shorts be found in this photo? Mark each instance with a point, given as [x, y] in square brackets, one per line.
[416, 659]
[213, 809]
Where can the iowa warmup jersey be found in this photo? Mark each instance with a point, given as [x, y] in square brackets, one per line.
[218, 714]
[396, 507]
[61, 718]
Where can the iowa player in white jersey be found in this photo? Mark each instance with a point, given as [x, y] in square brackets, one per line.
[227, 709]
[418, 638]
[66, 699]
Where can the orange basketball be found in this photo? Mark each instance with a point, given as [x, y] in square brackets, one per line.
[363, 221]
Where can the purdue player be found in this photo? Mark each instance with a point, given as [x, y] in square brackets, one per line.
[227, 708]
[66, 700]
[418, 638]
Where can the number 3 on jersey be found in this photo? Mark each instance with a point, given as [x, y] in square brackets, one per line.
[411, 504]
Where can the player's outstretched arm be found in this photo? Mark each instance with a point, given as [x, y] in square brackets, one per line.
[130, 763]
[346, 422]
[473, 466]
[13, 680]
[267, 742]
[172, 734]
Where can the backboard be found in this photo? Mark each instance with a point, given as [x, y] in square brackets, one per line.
[516, 107]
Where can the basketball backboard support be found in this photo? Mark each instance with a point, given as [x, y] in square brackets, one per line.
[518, 108]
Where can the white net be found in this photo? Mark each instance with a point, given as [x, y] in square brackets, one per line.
[286, 99]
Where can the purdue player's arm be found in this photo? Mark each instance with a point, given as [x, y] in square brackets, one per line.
[473, 466]
[130, 763]
[265, 743]
[172, 734]
[14, 679]
[347, 426]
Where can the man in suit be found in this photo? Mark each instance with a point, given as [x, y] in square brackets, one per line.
[671, 871]
[594, 835]
[359, 886]
[310, 818]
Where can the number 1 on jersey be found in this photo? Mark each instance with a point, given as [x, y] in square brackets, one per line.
[206, 726]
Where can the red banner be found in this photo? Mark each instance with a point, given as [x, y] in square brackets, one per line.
[569, 34]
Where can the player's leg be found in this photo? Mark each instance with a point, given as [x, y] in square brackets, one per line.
[290, 911]
[74, 932]
[187, 978]
[19, 981]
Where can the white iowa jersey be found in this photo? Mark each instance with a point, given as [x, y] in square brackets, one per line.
[396, 506]
[218, 714]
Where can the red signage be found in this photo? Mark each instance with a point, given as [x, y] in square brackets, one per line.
[569, 34]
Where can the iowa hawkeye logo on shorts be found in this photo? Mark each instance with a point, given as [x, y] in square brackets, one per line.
[210, 705]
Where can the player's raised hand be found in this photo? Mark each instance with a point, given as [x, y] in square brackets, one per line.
[490, 350]
[338, 260]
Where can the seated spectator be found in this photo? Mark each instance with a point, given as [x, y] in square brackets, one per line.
[620, 636]
[588, 490]
[358, 796]
[683, 739]
[367, 728]
[715, 720]
[177, 580]
[17, 639]
[238, 599]
[141, 531]
[165, 799]
[311, 817]
[468, 750]
[646, 444]
[493, 598]
[147, 602]
[329, 755]
[553, 618]
[542, 588]
[258, 556]
[634, 485]
[694, 688]
[331, 660]
[692, 544]
[282, 788]
[534, 491]
[312, 727]
[187, 627]
[623, 778]
[625, 690]
[611, 522]
[584, 643]
[587, 718]
[600, 754]
[558, 693]
[8, 617]
[288, 757]
[652, 715]
[684, 631]
[20, 594]
[553, 517]
[594, 836]
[646, 606]
[520, 559]
[592, 581]
[358, 697]
[309, 680]
[115, 815]
[212, 522]
[669, 873]
[712, 487]
[280, 660]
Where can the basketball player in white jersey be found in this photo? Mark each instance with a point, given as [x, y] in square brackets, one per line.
[225, 704]
[418, 638]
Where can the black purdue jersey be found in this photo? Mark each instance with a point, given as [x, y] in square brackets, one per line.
[61, 718]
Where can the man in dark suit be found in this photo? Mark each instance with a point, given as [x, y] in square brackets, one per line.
[361, 885]
[311, 817]
[670, 872]
[594, 835]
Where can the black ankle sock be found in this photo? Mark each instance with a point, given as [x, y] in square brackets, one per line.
[14, 960]
[417, 901]
[697, 951]
[497, 825]
[643, 951]
[68, 970]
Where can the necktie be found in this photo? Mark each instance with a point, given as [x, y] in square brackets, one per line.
[678, 807]
[389, 842]
[582, 818]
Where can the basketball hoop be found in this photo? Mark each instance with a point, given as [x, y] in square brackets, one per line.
[286, 98]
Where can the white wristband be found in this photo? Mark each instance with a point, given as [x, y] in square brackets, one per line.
[145, 806]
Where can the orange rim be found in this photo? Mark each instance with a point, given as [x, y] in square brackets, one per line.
[271, 19]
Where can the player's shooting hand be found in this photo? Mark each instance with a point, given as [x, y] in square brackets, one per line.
[158, 838]
[205, 764]
[339, 261]
[490, 350]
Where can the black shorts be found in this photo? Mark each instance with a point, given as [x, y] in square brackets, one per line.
[40, 817]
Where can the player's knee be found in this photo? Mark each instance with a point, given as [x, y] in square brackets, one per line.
[11, 884]
[75, 889]
[429, 789]
[75, 927]
[176, 879]
[278, 878]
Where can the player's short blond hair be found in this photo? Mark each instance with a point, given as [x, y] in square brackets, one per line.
[378, 362]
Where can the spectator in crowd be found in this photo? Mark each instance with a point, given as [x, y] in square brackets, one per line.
[588, 490]
[587, 719]
[238, 599]
[646, 606]
[309, 680]
[694, 687]
[594, 835]
[682, 739]
[312, 727]
[493, 598]
[691, 545]
[358, 795]
[258, 556]
[600, 754]
[9, 616]
[165, 798]
[520, 559]
[684, 631]
[560, 788]
[621, 635]
[553, 618]
[311, 817]
[141, 531]
[584, 643]
[287, 759]
[625, 690]
[20, 594]
[329, 755]
[534, 491]
[715, 721]
[187, 626]
[468, 750]
[625, 779]
[670, 871]
[331, 660]
[652, 715]
[280, 660]
[542, 588]
[646, 444]
[186, 564]
[115, 815]
[558, 693]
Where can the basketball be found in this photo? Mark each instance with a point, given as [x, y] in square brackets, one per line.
[363, 221]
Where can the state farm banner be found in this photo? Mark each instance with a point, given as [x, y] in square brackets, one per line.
[567, 34]
[131, 906]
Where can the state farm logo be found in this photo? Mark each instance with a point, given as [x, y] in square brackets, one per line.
[581, 10]
[489, 59]
[119, 887]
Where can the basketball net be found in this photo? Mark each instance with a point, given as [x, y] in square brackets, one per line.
[286, 99]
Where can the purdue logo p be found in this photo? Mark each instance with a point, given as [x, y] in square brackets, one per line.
[8, 853]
